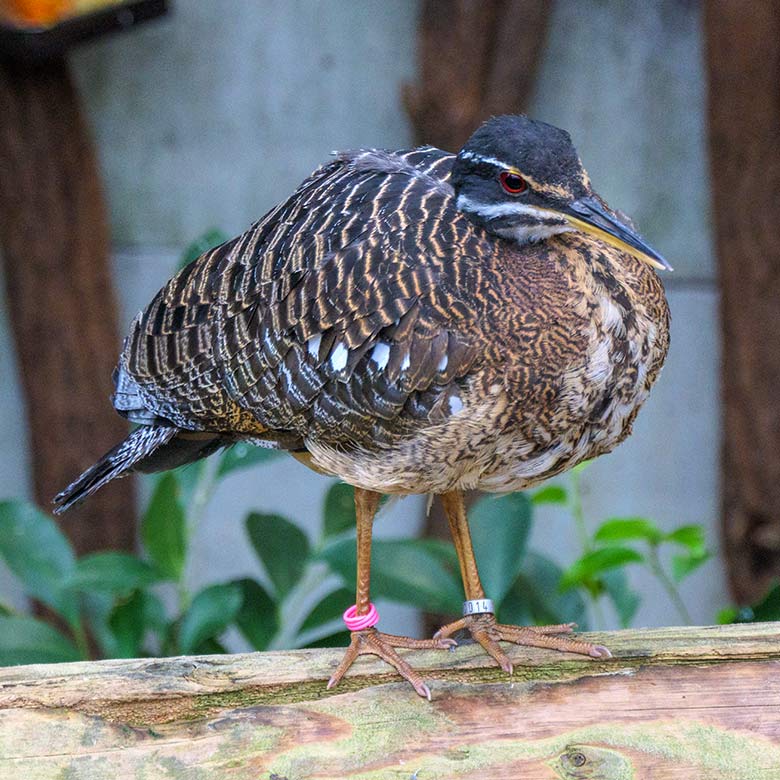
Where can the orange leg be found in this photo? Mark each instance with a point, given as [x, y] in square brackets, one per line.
[484, 627]
[369, 641]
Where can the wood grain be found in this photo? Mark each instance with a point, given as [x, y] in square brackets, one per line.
[697, 704]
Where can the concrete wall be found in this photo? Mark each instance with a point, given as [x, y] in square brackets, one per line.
[208, 118]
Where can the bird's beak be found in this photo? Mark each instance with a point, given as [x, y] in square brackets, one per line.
[589, 216]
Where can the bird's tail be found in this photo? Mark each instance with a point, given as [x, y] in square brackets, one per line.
[147, 448]
[117, 462]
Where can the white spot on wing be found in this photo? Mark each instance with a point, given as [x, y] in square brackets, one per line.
[443, 362]
[338, 358]
[456, 405]
[406, 362]
[313, 345]
[381, 354]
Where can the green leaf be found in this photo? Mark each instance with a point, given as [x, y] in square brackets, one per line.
[443, 551]
[25, 640]
[595, 563]
[625, 600]
[580, 467]
[201, 244]
[339, 639]
[535, 597]
[113, 572]
[499, 530]
[38, 553]
[339, 512]
[211, 612]
[132, 619]
[187, 478]
[243, 455]
[281, 546]
[258, 618]
[401, 570]
[769, 607]
[690, 536]
[551, 494]
[621, 529]
[329, 608]
[96, 608]
[727, 615]
[683, 565]
[210, 646]
[164, 528]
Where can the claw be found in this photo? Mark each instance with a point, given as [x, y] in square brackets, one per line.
[599, 651]
[369, 641]
[485, 630]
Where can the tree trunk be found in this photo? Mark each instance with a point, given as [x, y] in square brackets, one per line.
[477, 60]
[743, 56]
[55, 246]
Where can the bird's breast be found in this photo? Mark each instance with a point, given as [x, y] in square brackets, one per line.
[586, 403]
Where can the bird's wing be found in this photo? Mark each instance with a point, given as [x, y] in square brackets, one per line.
[341, 315]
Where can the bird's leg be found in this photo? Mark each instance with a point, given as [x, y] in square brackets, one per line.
[483, 626]
[369, 641]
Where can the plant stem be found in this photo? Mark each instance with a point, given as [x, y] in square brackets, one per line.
[600, 622]
[204, 490]
[80, 636]
[201, 496]
[654, 562]
[314, 575]
[578, 512]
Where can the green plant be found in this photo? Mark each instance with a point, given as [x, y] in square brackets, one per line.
[766, 609]
[114, 597]
[621, 541]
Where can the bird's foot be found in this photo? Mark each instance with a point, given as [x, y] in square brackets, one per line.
[488, 632]
[369, 641]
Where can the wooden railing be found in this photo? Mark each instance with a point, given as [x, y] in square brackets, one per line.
[693, 704]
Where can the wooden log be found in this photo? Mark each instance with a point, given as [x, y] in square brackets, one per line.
[692, 703]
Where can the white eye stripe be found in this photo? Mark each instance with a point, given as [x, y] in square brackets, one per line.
[490, 210]
[481, 158]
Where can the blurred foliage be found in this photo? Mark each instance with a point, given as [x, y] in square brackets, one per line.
[765, 610]
[117, 598]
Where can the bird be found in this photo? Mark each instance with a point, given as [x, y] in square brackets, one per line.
[411, 322]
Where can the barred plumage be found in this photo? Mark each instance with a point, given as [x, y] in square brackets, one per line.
[358, 317]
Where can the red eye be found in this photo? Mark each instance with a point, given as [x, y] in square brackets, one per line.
[512, 183]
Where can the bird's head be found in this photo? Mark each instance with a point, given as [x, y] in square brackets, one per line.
[523, 180]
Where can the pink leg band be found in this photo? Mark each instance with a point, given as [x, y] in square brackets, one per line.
[359, 622]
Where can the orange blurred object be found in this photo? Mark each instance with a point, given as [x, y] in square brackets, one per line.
[35, 12]
[43, 13]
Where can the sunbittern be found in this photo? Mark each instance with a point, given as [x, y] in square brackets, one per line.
[411, 322]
